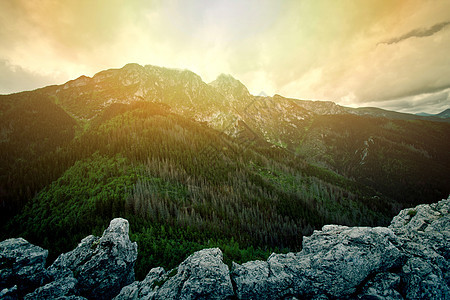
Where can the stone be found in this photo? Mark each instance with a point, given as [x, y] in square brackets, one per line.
[424, 232]
[203, 275]
[427, 225]
[382, 286]
[343, 257]
[21, 264]
[145, 289]
[102, 266]
[422, 280]
[333, 262]
[252, 280]
[407, 260]
[55, 289]
[9, 294]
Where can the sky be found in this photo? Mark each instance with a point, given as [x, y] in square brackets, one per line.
[383, 53]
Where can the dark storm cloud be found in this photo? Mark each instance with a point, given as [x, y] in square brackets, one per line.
[418, 32]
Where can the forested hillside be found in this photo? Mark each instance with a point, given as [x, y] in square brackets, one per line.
[191, 166]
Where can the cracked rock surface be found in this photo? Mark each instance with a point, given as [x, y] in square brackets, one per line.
[407, 260]
[21, 265]
[102, 266]
[203, 275]
[333, 261]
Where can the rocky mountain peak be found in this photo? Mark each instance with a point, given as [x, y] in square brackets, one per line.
[79, 82]
[148, 75]
[132, 66]
[229, 86]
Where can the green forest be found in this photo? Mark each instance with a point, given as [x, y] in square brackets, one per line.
[184, 185]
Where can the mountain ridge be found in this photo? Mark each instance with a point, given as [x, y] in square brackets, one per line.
[176, 156]
[133, 69]
[226, 105]
[443, 114]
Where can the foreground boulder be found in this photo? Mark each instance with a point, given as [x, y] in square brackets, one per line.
[424, 233]
[101, 266]
[407, 260]
[203, 275]
[21, 265]
[56, 289]
[146, 289]
[382, 286]
[333, 262]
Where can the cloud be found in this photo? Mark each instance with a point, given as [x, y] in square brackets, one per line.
[15, 78]
[418, 32]
[301, 49]
[357, 69]
[434, 102]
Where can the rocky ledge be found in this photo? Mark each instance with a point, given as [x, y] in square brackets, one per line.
[407, 260]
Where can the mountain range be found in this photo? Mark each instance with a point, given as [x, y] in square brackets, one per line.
[442, 115]
[194, 164]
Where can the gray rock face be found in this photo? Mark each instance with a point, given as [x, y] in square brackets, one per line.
[203, 275]
[102, 266]
[333, 262]
[426, 224]
[21, 264]
[425, 230]
[145, 289]
[382, 286]
[9, 294]
[55, 289]
[424, 233]
[423, 280]
[342, 257]
[408, 260]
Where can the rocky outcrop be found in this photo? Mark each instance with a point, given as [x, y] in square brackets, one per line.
[424, 234]
[146, 289]
[203, 275]
[382, 286]
[407, 260]
[97, 268]
[55, 289]
[22, 265]
[334, 261]
[102, 266]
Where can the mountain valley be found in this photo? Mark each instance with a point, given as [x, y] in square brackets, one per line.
[195, 165]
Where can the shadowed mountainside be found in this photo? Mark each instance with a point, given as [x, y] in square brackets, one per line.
[195, 165]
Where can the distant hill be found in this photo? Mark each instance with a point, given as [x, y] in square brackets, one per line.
[442, 115]
[424, 114]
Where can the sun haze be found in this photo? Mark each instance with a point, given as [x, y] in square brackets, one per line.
[389, 54]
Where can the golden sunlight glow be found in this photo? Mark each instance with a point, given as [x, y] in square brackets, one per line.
[385, 53]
